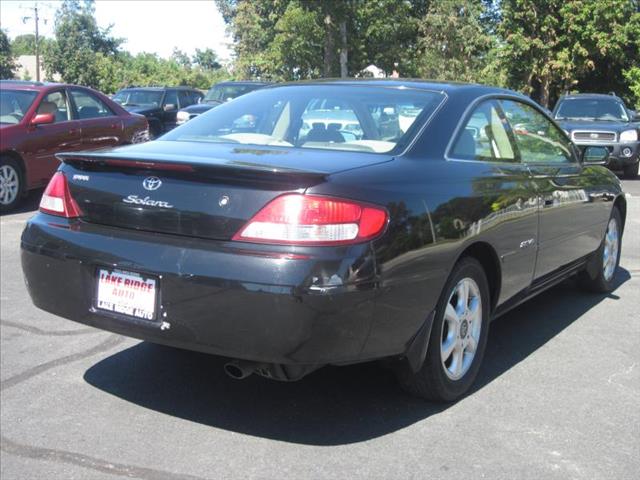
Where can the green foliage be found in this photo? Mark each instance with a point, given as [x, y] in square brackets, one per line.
[550, 46]
[454, 44]
[24, 45]
[206, 59]
[78, 41]
[295, 52]
[7, 62]
[116, 72]
[633, 78]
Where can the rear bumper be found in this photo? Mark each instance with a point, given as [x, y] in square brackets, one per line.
[216, 297]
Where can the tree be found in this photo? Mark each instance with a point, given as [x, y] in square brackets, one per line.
[454, 44]
[294, 51]
[78, 40]
[7, 62]
[24, 45]
[549, 46]
[206, 59]
[181, 58]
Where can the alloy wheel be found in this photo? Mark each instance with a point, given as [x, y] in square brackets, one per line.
[610, 253]
[461, 328]
[9, 184]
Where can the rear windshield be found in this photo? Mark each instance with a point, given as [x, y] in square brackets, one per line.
[591, 109]
[138, 98]
[334, 117]
[224, 93]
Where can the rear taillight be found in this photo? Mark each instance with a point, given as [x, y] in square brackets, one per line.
[312, 220]
[57, 200]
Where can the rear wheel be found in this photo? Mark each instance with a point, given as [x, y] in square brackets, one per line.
[631, 171]
[601, 271]
[458, 337]
[10, 184]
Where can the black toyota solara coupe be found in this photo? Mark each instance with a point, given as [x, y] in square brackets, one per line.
[329, 223]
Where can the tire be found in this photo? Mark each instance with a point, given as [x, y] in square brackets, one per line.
[439, 380]
[11, 184]
[155, 130]
[600, 273]
[631, 171]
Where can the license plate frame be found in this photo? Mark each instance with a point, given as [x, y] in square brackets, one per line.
[137, 301]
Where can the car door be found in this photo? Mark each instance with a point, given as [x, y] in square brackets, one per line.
[63, 135]
[101, 127]
[170, 109]
[572, 213]
[503, 206]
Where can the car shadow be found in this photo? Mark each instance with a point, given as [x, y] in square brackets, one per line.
[332, 406]
[28, 204]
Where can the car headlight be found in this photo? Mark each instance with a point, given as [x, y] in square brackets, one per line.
[182, 117]
[629, 136]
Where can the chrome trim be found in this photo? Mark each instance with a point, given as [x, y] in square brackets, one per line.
[595, 140]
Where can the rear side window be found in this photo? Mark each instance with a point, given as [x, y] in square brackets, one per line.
[537, 139]
[89, 106]
[484, 136]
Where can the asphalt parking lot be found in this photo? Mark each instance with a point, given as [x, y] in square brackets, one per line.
[557, 397]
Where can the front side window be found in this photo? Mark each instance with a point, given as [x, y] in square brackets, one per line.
[538, 140]
[89, 106]
[56, 103]
[171, 98]
[484, 136]
[335, 117]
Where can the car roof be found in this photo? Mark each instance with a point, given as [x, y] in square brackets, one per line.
[593, 96]
[243, 82]
[433, 85]
[29, 85]
[158, 88]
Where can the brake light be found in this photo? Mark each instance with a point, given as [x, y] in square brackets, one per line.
[313, 220]
[57, 200]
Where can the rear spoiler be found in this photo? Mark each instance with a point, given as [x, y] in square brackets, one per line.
[207, 166]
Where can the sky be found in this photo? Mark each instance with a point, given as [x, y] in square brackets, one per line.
[147, 26]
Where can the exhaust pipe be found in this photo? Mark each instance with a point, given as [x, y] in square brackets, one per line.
[239, 369]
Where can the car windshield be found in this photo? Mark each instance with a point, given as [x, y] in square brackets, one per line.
[138, 98]
[224, 93]
[591, 109]
[14, 104]
[335, 117]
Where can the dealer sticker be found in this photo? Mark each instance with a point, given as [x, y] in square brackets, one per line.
[126, 293]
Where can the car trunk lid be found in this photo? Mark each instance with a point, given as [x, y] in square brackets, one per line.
[193, 189]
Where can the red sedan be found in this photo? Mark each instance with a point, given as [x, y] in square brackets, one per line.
[38, 120]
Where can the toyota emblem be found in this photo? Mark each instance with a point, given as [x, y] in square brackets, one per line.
[151, 183]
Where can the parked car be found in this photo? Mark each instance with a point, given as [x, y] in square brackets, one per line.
[159, 104]
[240, 235]
[220, 93]
[604, 120]
[38, 120]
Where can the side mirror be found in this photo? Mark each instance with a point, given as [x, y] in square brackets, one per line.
[169, 107]
[595, 156]
[43, 119]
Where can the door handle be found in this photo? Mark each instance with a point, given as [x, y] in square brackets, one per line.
[604, 196]
[73, 131]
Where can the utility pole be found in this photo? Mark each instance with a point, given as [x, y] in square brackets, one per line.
[36, 19]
